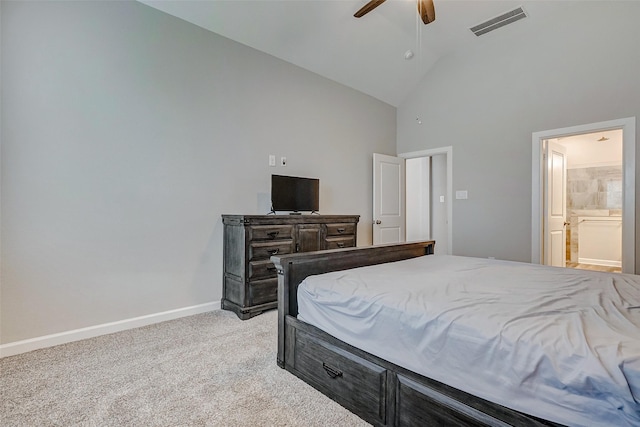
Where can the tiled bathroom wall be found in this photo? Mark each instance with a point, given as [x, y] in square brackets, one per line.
[594, 188]
[593, 191]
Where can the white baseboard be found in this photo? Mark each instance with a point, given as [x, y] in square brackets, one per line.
[602, 262]
[18, 347]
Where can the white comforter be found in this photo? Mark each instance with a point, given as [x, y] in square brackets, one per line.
[555, 343]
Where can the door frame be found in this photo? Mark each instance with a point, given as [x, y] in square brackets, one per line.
[448, 152]
[628, 127]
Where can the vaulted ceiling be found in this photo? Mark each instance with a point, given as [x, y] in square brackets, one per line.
[368, 53]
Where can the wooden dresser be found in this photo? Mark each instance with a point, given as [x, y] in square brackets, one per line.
[250, 284]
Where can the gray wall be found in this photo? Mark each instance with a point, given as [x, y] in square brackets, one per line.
[127, 133]
[488, 100]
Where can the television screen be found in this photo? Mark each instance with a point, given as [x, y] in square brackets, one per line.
[290, 193]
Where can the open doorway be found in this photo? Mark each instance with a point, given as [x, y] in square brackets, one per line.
[431, 210]
[594, 183]
[431, 215]
[540, 211]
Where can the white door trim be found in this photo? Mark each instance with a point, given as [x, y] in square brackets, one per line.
[448, 151]
[628, 126]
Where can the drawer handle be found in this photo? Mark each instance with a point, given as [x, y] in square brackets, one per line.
[340, 245]
[273, 234]
[341, 230]
[332, 372]
[273, 251]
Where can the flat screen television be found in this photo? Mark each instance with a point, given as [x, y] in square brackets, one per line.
[291, 193]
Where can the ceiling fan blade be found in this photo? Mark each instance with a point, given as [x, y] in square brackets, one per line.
[368, 8]
[427, 11]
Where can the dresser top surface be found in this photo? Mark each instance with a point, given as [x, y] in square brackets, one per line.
[289, 219]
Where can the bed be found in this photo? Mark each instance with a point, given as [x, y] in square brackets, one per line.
[460, 341]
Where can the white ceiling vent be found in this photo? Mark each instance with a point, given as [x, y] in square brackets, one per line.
[499, 21]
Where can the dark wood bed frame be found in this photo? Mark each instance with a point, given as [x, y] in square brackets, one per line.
[378, 391]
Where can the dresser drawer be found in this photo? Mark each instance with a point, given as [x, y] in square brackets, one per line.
[270, 232]
[340, 229]
[340, 242]
[264, 250]
[263, 291]
[261, 269]
[356, 382]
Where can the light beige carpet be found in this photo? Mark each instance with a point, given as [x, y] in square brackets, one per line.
[206, 370]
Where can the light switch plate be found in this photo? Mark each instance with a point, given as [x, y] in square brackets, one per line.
[272, 160]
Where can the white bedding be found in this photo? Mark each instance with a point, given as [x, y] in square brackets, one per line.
[559, 344]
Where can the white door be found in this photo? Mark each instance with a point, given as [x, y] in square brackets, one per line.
[555, 219]
[388, 199]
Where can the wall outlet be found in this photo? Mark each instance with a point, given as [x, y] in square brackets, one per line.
[441, 199]
[272, 160]
[283, 161]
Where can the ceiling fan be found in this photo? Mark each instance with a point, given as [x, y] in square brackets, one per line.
[425, 9]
